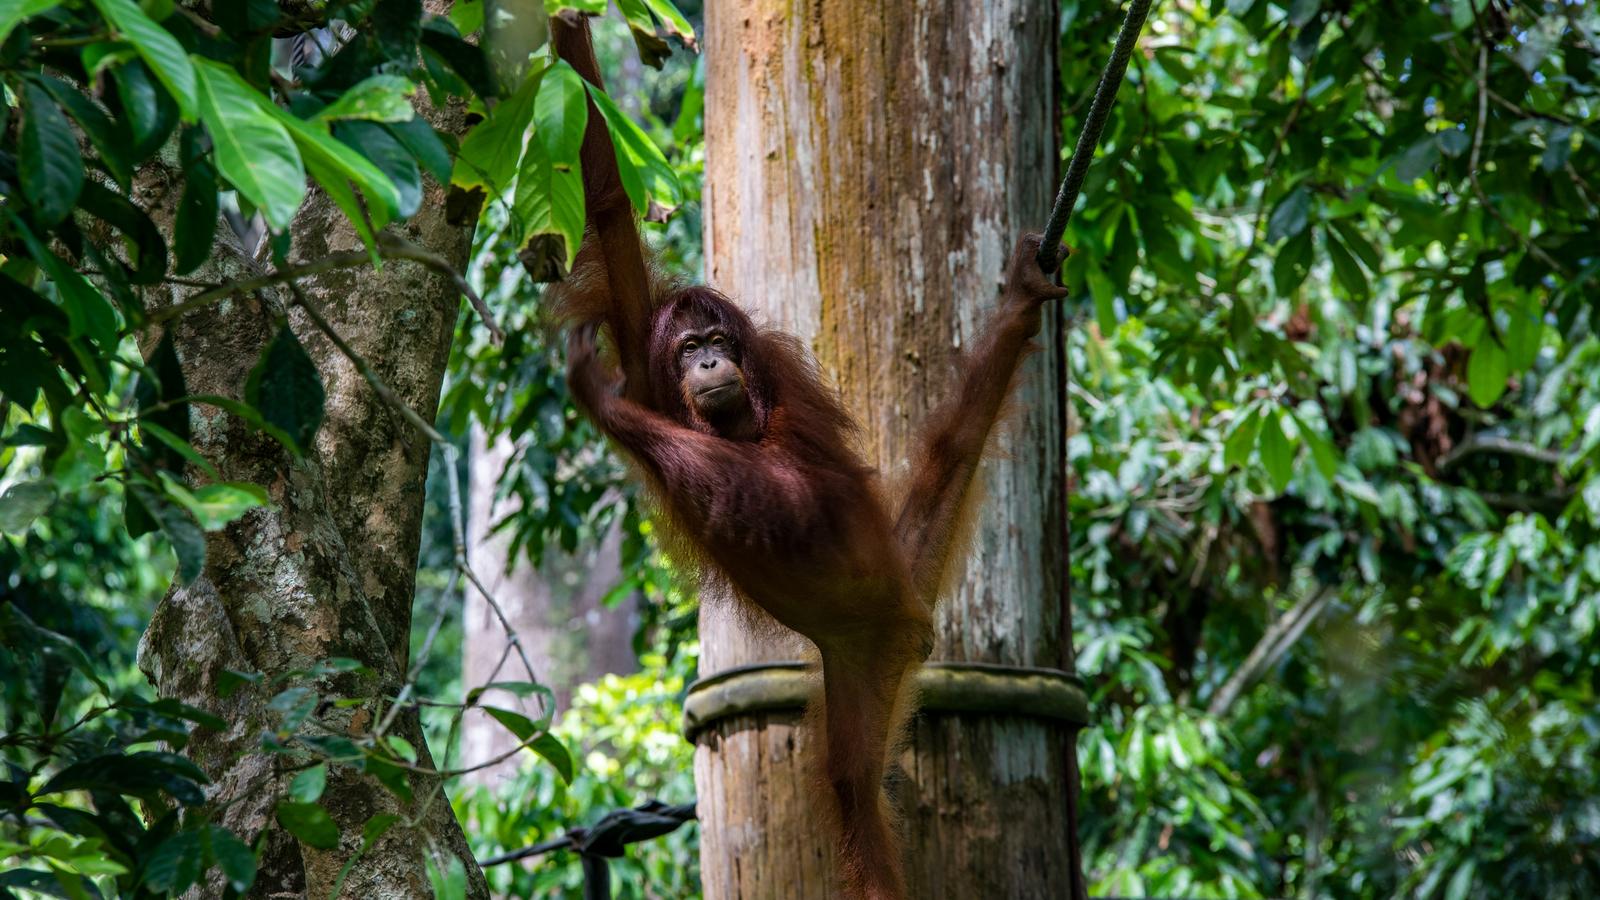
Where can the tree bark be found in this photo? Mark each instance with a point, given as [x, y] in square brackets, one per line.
[868, 168]
[556, 610]
[328, 569]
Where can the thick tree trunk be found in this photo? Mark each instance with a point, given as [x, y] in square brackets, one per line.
[868, 168]
[326, 570]
[556, 610]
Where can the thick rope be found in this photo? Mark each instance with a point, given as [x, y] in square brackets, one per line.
[1089, 138]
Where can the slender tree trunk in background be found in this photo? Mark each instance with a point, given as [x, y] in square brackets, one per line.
[328, 569]
[556, 610]
[868, 168]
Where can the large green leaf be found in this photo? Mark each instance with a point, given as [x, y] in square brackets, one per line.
[646, 174]
[380, 98]
[96, 125]
[12, 12]
[252, 147]
[560, 114]
[286, 388]
[159, 49]
[337, 166]
[1345, 267]
[47, 156]
[1290, 216]
[176, 864]
[549, 201]
[677, 25]
[380, 147]
[1277, 453]
[1487, 371]
[147, 113]
[310, 823]
[652, 49]
[234, 857]
[196, 227]
[22, 503]
[489, 154]
[555, 753]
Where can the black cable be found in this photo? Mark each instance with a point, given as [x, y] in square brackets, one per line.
[1089, 138]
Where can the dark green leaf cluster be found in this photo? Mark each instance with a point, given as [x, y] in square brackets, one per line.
[1336, 503]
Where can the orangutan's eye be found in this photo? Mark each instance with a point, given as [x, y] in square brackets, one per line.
[690, 347]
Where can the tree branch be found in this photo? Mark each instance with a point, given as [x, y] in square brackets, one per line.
[390, 246]
[1280, 636]
[1478, 442]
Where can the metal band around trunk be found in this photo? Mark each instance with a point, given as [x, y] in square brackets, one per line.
[942, 687]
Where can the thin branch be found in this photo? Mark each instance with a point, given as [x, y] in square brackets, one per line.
[1478, 442]
[1477, 149]
[390, 246]
[452, 479]
[1279, 637]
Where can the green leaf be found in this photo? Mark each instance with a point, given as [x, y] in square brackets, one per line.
[560, 114]
[549, 201]
[401, 748]
[441, 42]
[652, 49]
[1524, 334]
[419, 138]
[96, 126]
[285, 387]
[12, 12]
[293, 706]
[1323, 454]
[1487, 371]
[181, 448]
[23, 502]
[310, 823]
[229, 681]
[1290, 216]
[182, 531]
[450, 882]
[1292, 264]
[159, 393]
[677, 25]
[252, 148]
[645, 173]
[48, 163]
[380, 147]
[176, 864]
[1277, 453]
[160, 50]
[148, 113]
[380, 98]
[514, 722]
[1417, 160]
[215, 505]
[1358, 244]
[333, 165]
[307, 787]
[489, 154]
[1346, 269]
[196, 227]
[235, 858]
[555, 753]
[1242, 439]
